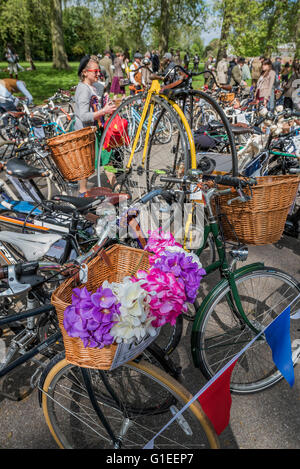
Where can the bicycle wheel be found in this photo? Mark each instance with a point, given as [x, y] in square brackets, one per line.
[219, 333]
[145, 399]
[167, 151]
[204, 114]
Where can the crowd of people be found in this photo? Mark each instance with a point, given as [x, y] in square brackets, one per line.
[272, 82]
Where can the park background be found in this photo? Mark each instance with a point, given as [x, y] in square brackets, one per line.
[50, 36]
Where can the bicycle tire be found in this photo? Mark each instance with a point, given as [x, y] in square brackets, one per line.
[218, 334]
[231, 163]
[67, 434]
[138, 172]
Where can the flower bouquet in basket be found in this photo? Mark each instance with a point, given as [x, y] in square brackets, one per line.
[130, 313]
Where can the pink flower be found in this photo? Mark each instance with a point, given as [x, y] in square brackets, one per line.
[158, 241]
[167, 298]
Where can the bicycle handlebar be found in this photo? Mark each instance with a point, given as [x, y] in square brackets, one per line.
[225, 180]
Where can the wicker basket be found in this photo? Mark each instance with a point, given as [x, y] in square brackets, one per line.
[74, 153]
[227, 97]
[260, 220]
[118, 262]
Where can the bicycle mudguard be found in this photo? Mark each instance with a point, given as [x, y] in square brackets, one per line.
[213, 293]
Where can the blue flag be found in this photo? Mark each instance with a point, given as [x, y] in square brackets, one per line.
[278, 337]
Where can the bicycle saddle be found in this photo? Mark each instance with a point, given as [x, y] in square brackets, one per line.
[78, 202]
[174, 93]
[16, 114]
[18, 168]
[238, 129]
[33, 246]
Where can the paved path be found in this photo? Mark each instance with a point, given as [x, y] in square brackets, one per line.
[270, 419]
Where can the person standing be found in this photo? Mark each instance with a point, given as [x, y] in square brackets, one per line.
[265, 85]
[246, 74]
[277, 69]
[255, 70]
[208, 66]
[236, 74]
[291, 88]
[285, 73]
[177, 58]
[12, 60]
[232, 63]
[196, 61]
[186, 61]
[86, 99]
[222, 70]
[155, 61]
[119, 68]
[135, 76]
[8, 86]
[146, 70]
[106, 62]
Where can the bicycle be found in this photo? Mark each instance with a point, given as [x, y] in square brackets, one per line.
[122, 408]
[239, 306]
[136, 165]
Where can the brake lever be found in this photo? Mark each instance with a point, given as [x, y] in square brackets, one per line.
[242, 197]
[14, 286]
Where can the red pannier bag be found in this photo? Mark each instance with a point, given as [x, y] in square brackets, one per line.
[117, 134]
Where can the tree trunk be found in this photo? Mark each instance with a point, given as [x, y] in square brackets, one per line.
[165, 16]
[297, 38]
[27, 35]
[227, 20]
[60, 59]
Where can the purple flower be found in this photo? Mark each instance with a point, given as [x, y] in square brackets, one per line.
[184, 269]
[103, 297]
[91, 316]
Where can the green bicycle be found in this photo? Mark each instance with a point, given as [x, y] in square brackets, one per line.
[242, 303]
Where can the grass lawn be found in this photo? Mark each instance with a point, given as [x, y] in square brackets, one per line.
[45, 81]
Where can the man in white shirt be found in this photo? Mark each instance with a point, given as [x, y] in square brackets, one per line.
[135, 78]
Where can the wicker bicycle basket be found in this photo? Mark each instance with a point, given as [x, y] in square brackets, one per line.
[261, 220]
[112, 265]
[74, 153]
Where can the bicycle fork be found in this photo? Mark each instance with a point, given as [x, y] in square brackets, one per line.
[117, 441]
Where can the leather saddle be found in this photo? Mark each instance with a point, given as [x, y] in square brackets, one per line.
[19, 169]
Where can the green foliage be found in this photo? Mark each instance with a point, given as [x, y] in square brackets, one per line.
[258, 27]
[251, 27]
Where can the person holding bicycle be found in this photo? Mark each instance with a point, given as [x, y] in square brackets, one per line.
[135, 77]
[8, 86]
[88, 109]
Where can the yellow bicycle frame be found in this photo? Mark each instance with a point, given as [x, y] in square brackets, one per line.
[155, 89]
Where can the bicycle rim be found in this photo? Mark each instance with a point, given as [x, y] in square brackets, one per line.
[203, 110]
[150, 160]
[73, 423]
[222, 334]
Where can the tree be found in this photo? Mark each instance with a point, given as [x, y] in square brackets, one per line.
[60, 59]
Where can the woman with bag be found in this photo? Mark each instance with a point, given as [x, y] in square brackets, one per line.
[120, 64]
[89, 110]
[265, 85]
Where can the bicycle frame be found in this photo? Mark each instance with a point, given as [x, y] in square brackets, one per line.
[154, 90]
[228, 275]
[38, 348]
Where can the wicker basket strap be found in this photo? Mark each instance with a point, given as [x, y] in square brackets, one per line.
[137, 231]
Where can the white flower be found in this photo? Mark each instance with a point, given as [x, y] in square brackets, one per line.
[134, 321]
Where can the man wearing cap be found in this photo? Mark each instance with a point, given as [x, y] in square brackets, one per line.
[135, 77]
[236, 74]
[106, 62]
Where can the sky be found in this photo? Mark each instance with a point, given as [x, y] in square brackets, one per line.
[213, 30]
[207, 37]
